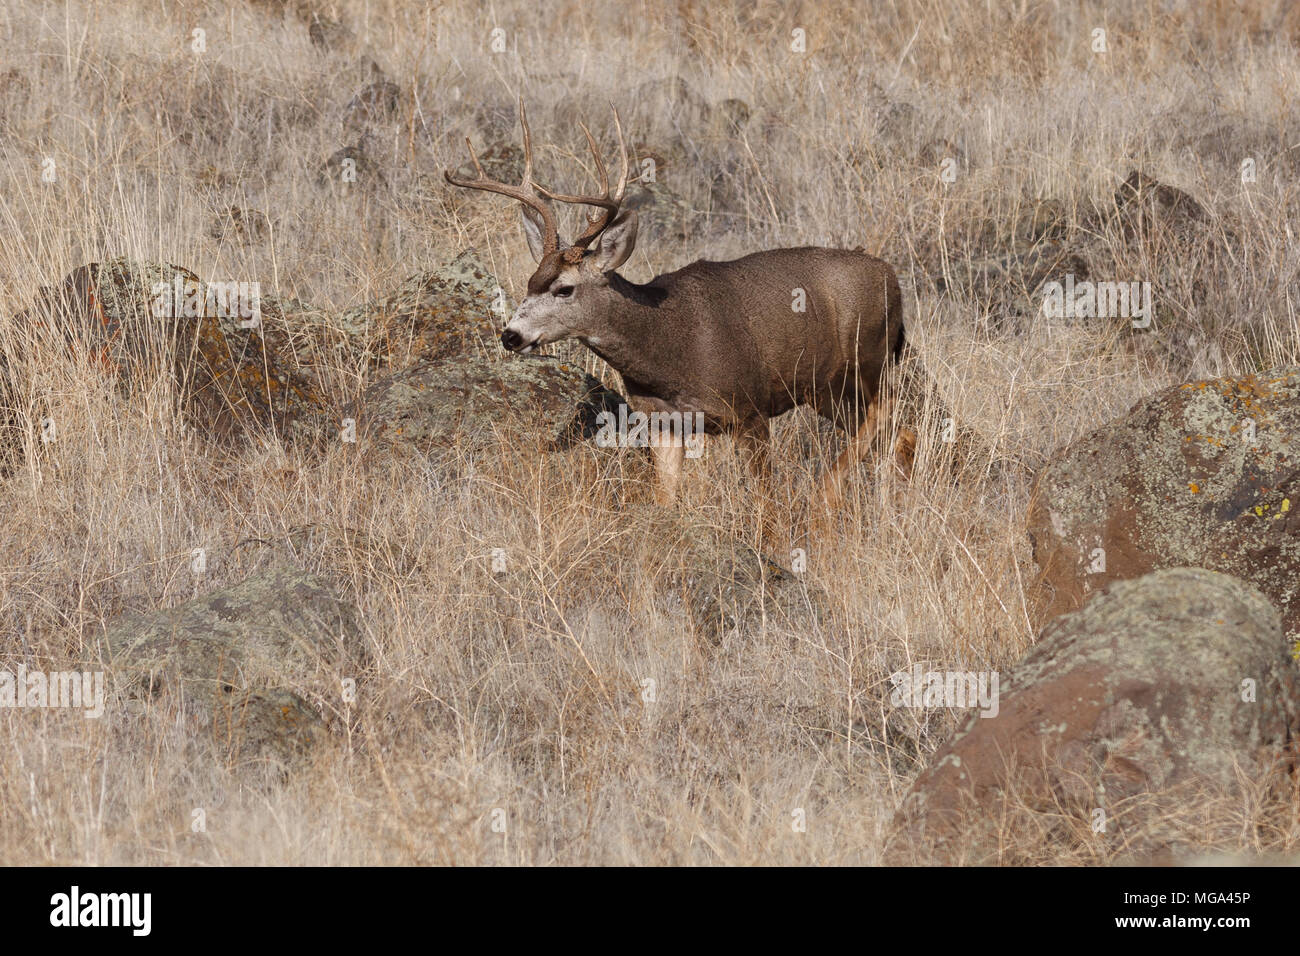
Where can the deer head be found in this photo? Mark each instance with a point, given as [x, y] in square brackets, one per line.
[562, 293]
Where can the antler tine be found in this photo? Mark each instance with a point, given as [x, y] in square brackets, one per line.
[609, 203]
[525, 192]
[528, 146]
[600, 162]
[625, 166]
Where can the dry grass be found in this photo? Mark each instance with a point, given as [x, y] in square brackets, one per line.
[526, 693]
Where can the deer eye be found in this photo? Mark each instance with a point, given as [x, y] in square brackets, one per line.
[563, 292]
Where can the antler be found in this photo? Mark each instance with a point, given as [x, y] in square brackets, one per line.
[598, 221]
[524, 192]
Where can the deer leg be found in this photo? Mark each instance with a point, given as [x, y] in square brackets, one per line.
[668, 459]
[878, 412]
[905, 452]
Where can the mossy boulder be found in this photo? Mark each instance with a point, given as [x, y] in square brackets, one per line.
[135, 319]
[466, 404]
[729, 587]
[453, 310]
[438, 375]
[256, 663]
[1203, 474]
[438, 314]
[1158, 693]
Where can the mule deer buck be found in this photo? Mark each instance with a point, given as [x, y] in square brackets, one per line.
[722, 338]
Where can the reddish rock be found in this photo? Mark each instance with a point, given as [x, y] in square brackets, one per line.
[1205, 474]
[1158, 693]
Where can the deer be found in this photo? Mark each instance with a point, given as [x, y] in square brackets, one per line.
[724, 339]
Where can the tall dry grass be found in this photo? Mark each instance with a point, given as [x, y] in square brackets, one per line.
[526, 694]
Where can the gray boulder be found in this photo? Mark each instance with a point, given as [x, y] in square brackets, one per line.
[255, 663]
[465, 404]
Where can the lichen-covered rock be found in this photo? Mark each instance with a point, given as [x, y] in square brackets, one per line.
[465, 403]
[376, 102]
[682, 107]
[1016, 275]
[1143, 203]
[430, 348]
[729, 587]
[1204, 474]
[244, 660]
[503, 161]
[350, 168]
[450, 311]
[1159, 691]
[439, 314]
[136, 319]
[240, 224]
[661, 212]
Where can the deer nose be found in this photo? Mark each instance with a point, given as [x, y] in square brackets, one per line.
[511, 339]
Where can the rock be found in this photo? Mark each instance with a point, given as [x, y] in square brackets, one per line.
[439, 314]
[728, 587]
[1043, 219]
[450, 311]
[1132, 704]
[1143, 203]
[350, 168]
[328, 33]
[1232, 141]
[463, 404]
[123, 316]
[15, 92]
[1204, 474]
[735, 114]
[14, 85]
[1027, 266]
[242, 225]
[439, 325]
[936, 153]
[676, 101]
[1007, 284]
[661, 212]
[444, 312]
[669, 159]
[240, 659]
[503, 162]
[210, 177]
[496, 122]
[376, 103]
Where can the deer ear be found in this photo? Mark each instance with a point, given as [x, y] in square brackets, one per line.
[617, 241]
[533, 227]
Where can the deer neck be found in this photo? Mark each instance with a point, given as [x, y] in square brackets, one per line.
[628, 331]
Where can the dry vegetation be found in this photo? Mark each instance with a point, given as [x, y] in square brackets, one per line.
[526, 693]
